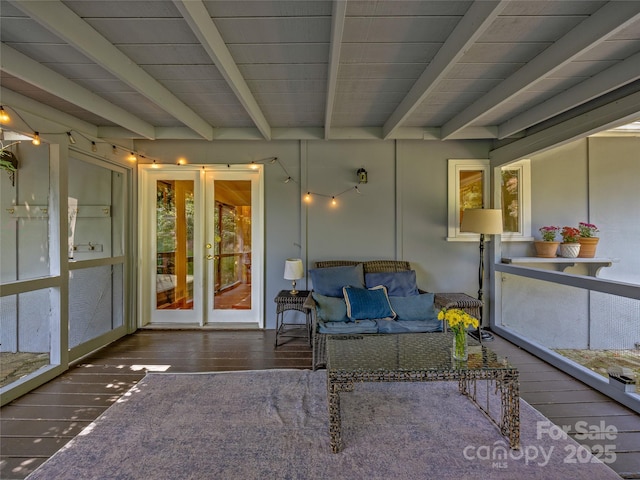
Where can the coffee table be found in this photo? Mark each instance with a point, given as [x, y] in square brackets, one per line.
[421, 357]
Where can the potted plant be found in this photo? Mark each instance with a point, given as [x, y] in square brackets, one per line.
[570, 246]
[588, 240]
[547, 247]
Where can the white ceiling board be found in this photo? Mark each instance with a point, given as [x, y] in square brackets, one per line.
[305, 80]
[388, 52]
[399, 29]
[274, 30]
[280, 53]
[166, 54]
[136, 9]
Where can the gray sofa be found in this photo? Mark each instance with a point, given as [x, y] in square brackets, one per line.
[363, 306]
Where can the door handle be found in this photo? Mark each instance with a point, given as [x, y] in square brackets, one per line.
[209, 257]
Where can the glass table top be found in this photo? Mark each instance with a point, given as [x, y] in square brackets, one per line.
[406, 351]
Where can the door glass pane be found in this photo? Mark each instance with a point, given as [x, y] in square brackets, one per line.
[511, 204]
[174, 244]
[232, 250]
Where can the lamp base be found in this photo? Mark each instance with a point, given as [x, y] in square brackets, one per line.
[293, 290]
[476, 334]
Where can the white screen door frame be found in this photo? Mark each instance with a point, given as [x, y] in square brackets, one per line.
[203, 312]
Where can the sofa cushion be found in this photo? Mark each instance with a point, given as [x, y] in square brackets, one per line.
[409, 326]
[365, 303]
[346, 328]
[330, 309]
[415, 307]
[329, 281]
[399, 284]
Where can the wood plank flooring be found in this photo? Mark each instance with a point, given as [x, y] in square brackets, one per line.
[35, 426]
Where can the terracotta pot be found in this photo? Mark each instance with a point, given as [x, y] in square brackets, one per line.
[546, 249]
[569, 250]
[588, 247]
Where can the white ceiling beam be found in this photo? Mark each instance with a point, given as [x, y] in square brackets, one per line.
[26, 104]
[610, 19]
[32, 72]
[608, 80]
[475, 22]
[337, 30]
[611, 115]
[63, 22]
[200, 22]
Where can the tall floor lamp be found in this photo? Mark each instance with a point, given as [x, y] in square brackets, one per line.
[484, 221]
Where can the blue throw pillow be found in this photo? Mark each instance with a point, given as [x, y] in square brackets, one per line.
[369, 304]
[329, 281]
[330, 309]
[399, 284]
[415, 307]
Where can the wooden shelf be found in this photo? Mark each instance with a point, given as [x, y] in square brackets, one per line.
[561, 263]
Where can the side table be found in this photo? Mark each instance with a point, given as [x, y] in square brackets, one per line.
[287, 301]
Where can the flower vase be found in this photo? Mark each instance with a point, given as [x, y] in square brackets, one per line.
[569, 250]
[588, 247]
[460, 345]
[546, 249]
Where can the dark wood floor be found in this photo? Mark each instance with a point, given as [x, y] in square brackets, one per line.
[36, 425]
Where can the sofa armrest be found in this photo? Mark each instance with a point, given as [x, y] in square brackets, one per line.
[463, 301]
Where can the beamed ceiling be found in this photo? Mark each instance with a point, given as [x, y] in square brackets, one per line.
[215, 70]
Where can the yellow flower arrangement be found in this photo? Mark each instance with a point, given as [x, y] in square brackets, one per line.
[459, 321]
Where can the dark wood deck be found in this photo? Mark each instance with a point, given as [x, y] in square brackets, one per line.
[36, 425]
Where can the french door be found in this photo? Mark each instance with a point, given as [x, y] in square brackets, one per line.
[201, 245]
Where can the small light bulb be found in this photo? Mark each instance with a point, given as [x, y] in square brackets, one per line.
[333, 201]
[114, 149]
[132, 157]
[94, 147]
[71, 139]
[154, 165]
[36, 138]
[287, 180]
[253, 166]
[4, 116]
[307, 197]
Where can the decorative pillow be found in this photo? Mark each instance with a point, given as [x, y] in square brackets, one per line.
[414, 307]
[330, 309]
[329, 281]
[399, 284]
[368, 304]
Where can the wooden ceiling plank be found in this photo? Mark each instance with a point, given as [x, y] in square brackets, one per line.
[62, 21]
[606, 22]
[474, 23]
[23, 67]
[618, 75]
[198, 18]
[337, 30]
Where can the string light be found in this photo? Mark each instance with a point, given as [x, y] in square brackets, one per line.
[72, 140]
[114, 149]
[287, 180]
[307, 197]
[4, 116]
[36, 139]
[333, 201]
[132, 157]
[94, 147]
[154, 164]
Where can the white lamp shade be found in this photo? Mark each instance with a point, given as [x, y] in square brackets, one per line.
[293, 269]
[482, 220]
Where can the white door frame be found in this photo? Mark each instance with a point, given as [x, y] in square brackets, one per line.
[202, 314]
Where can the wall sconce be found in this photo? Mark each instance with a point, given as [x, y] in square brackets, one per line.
[362, 175]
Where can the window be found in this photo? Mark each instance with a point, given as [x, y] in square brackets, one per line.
[469, 187]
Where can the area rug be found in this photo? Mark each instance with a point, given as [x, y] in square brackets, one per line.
[274, 424]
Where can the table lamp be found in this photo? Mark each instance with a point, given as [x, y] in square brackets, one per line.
[484, 221]
[293, 270]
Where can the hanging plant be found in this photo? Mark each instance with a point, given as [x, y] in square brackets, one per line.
[9, 163]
